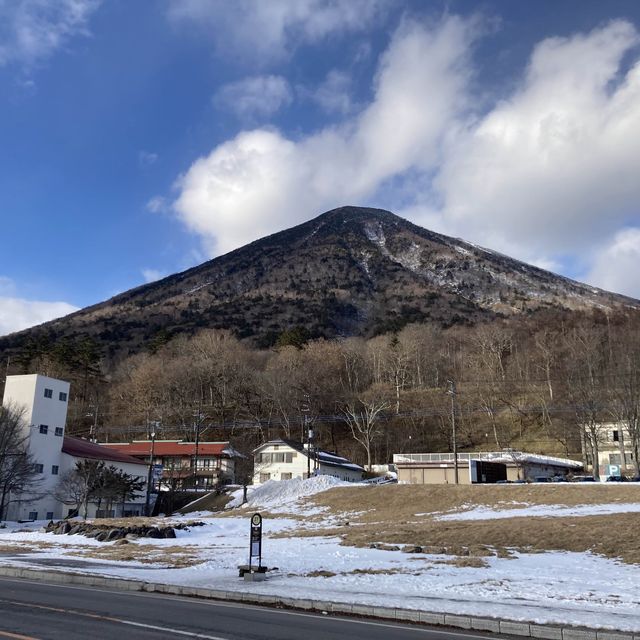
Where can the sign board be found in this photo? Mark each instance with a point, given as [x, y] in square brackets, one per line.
[613, 470]
[255, 540]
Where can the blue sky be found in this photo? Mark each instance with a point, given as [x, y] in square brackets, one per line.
[140, 138]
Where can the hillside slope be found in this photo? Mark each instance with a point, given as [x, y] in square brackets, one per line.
[350, 271]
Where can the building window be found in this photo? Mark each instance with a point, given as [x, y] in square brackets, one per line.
[54, 469]
[33, 515]
[59, 431]
[48, 393]
[44, 429]
[49, 515]
[285, 476]
[615, 436]
[278, 457]
[39, 468]
[265, 477]
[615, 458]
[288, 457]
[63, 396]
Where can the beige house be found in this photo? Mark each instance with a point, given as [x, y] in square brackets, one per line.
[439, 468]
[288, 459]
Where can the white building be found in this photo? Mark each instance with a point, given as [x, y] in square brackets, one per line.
[287, 459]
[44, 402]
[617, 452]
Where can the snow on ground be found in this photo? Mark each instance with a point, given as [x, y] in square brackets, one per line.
[540, 510]
[556, 587]
[553, 587]
[279, 496]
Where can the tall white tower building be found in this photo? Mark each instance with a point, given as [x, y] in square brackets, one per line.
[44, 402]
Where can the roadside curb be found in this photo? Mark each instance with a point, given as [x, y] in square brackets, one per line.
[495, 625]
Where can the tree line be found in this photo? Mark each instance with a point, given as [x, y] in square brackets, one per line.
[545, 383]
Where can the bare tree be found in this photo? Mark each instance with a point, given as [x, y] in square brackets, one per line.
[19, 478]
[362, 416]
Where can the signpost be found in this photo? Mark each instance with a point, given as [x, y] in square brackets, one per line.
[255, 542]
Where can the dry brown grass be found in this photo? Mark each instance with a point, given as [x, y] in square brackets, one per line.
[387, 514]
[404, 501]
[17, 547]
[176, 556]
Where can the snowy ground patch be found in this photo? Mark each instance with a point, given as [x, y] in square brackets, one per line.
[278, 496]
[545, 511]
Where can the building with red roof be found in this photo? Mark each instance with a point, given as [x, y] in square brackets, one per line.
[184, 465]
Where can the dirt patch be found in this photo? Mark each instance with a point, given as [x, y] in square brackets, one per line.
[474, 563]
[174, 556]
[8, 549]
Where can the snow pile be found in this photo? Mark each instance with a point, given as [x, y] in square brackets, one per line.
[274, 494]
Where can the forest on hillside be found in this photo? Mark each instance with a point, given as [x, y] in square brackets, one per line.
[543, 383]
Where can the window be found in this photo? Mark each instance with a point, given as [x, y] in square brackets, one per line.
[285, 476]
[44, 429]
[62, 396]
[288, 457]
[59, 431]
[278, 457]
[265, 477]
[48, 393]
[49, 515]
[615, 436]
[615, 458]
[54, 469]
[39, 468]
[33, 515]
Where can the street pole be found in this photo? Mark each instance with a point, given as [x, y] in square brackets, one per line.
[150, 474]
[452, 393]
[305, 411]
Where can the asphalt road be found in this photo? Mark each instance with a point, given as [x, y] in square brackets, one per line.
[40, 611]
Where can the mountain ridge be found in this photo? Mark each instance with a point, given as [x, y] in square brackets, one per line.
[349, 271]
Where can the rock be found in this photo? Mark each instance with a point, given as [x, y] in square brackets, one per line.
[121, 541]
[115, 534]
[75, 529]
[153, 533]
[411, 548]
[102, 536]
[168, 532]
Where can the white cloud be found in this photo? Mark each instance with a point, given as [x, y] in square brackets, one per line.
[151, 275]
[157, 204]
[543, 175]
[554, 166]
[267, 31]
[17, 313]
[617, 266]
[147, 158]
[334, 93]
[261, 181]
[258, 96]
[31, 30]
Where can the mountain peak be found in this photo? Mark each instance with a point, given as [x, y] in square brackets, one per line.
[349, 271]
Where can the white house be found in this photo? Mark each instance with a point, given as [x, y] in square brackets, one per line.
[44, 402]
[288, 459]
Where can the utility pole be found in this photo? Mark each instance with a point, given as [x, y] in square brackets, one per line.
[308, 432]
[147, 505]
[452, 393]
[197, 423]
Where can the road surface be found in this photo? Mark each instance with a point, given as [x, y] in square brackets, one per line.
[40, 611]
